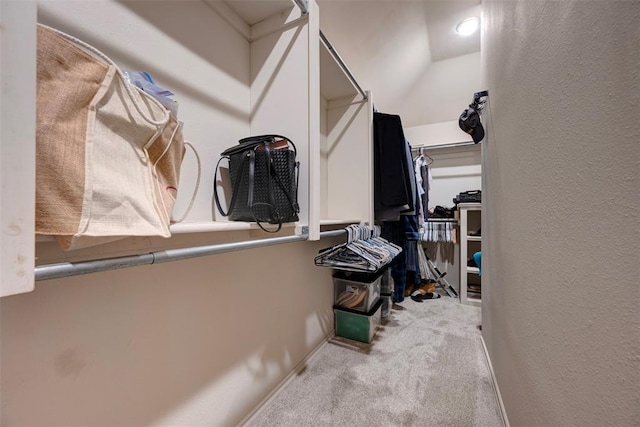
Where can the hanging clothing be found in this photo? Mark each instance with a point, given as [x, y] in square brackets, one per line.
[438, 232]
[392, 167]
[423, 178]
[425, 171]
[413, 187]
[403, 233]
[420, 166]
[394, 232]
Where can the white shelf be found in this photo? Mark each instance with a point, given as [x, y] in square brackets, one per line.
[207, 227]
[470, 206]
[210, 227]
[346, 187]
[271, 72]
[466, 297]
[252, 18]
[253, 12]
[334, 82]
[474, 299]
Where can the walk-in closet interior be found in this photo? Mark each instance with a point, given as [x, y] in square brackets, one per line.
[475, 290]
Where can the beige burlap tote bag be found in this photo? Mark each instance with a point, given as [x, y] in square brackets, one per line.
[108, 155]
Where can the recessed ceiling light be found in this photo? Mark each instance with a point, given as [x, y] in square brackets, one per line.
[468, 26]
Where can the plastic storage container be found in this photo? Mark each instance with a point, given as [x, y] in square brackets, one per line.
[358, 326]
[387, 303]
[386, 284]
[356, 291]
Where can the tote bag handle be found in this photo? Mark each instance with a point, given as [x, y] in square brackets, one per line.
[127, 85]
[195, 190]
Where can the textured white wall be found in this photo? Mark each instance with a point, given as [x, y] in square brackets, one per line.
[443, 91]
[560, 231]
[190, 343]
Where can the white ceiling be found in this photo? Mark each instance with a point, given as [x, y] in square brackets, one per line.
[397, 48]
[437, 18]
[441, 18]
[406, 52]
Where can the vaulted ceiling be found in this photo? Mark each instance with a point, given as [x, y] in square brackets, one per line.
[408, 53]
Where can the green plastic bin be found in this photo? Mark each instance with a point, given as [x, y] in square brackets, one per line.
[358, 326]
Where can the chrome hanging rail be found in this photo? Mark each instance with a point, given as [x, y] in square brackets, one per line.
[343, 65]
[303, 5]
[304, 8]
[438, 146]
[66, 269]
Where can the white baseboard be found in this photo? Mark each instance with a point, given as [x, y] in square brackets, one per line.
[278, 388]
[505, 420]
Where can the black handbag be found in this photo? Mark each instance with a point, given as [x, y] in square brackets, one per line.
[264, 181]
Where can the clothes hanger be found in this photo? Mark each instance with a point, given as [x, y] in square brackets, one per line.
[364, 251]
[422, 153]
[424, 156]
[373, 239]
[395, 249]
[349, 256]
[479, 100]
[362, 242]
[345, 258]
[381, 244]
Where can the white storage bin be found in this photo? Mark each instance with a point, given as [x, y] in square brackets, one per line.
[355, 291]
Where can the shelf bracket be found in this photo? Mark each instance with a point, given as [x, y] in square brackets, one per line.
[303, 5]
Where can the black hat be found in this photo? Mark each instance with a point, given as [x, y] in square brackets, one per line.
[470, 123]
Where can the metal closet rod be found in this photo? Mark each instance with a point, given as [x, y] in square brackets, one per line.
[303, 5]
[304, 8]
[434, 147]
[343, 65]
[66, 269]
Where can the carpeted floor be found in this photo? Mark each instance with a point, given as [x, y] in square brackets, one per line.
[424, 367]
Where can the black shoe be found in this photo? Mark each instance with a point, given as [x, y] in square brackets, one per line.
[418, 297]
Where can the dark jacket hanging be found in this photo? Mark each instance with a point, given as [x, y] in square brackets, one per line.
[392, 185]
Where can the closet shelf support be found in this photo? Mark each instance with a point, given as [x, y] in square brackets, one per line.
[343, 65]
[303, 5]
[66, 269]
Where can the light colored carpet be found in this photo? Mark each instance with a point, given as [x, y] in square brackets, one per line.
[424, 367]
